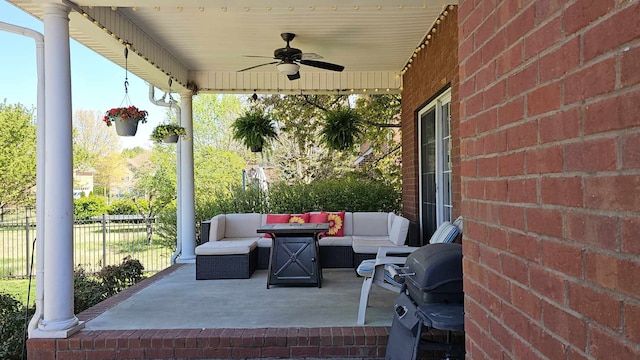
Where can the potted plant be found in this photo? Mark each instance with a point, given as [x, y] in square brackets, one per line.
[341, 129]
[254, 129]
[168, 133]
[126, 119]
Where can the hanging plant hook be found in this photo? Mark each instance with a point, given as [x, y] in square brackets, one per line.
[126, 67]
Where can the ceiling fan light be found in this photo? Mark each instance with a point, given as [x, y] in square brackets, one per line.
[288, 68]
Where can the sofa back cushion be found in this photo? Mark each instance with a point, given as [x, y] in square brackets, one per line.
[216, 229]
[399, 230]
[370, 223]
[242, 225]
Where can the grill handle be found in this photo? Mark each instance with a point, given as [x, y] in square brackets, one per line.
[405, 274]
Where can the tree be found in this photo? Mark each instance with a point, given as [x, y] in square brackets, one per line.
[155, 185]
[110, 170]
[17, 155]
[212, 118]
[304, 155]
[92, 140]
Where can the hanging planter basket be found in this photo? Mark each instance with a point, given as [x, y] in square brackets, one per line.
[126, 127]
[167, 133]
[170, 139]
[126, 119]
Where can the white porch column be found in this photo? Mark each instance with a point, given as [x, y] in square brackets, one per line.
[186, 193]
[58, 319]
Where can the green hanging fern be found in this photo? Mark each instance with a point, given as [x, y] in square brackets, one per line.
[341, 129]
[254, 129]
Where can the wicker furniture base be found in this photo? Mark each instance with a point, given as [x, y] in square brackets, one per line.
[263, 257]
[336, 257]
[359, 257]
[241, 266]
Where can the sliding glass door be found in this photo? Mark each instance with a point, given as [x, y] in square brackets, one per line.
[436, 205]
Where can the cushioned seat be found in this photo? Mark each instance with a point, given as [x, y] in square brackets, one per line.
[366, 268]
[226, 260]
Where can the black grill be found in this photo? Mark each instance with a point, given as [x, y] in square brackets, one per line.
[432, 298]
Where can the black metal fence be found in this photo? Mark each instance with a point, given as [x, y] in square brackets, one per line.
[98, 242]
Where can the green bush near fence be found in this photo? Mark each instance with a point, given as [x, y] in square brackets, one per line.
[88, 291]
[349, 193]
[13, 319]
[87, 207]
[123, 207]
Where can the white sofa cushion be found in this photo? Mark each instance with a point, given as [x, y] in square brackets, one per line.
[367, 246]
[216, 230]
[370, 223]
[242, 225]
[335, 241]
[399, 230]
[226, 247]
[264, 242]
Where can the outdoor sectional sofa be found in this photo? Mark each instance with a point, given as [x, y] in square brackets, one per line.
[231, 247]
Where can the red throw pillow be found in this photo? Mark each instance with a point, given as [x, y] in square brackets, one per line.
[299, 218]
[336, 224]
[277, 219]
[318, 218]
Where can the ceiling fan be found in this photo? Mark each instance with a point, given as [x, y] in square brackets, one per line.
[289, 59]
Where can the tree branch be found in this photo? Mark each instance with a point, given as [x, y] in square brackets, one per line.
[313, 103]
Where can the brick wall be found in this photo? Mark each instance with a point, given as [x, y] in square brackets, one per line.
[550, 139]
[433, 70]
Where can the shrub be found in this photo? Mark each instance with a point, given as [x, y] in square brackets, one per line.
[166, 228]
[123, 207]
[13, 320]
[349, 193]
[87, 207]
[116, 278]
[90, 290]
[87, 291]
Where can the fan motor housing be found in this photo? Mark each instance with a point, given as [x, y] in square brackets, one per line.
[287, 53]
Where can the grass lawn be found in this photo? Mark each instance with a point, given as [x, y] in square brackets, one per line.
[18, 288]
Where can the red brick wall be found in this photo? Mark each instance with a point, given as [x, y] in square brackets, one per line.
[550, 128]
[432, 71]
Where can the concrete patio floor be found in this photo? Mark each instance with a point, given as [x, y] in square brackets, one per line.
[177, 301]
[172, 316]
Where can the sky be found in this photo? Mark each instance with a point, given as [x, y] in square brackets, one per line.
[97, 84]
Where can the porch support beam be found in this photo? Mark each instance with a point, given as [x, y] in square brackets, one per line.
[58, 319]
[186, 191]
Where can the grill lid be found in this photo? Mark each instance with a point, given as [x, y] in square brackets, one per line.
[435, 265]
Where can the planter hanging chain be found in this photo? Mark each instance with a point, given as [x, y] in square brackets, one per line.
[126, 100]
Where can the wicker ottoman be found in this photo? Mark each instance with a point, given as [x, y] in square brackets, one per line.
[226, 260]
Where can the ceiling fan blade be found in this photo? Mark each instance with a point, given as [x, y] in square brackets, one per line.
[253, 67]
[310, 56]
[295, 76]
[258, 56]
[322, 65]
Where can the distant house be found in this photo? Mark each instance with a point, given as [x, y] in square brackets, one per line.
[83, 183]
[123, 186]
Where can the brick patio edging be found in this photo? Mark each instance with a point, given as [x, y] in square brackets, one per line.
[299, 343]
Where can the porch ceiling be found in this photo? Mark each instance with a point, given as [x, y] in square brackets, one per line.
[202, 43]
